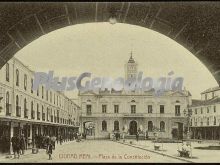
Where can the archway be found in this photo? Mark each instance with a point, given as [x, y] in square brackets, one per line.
[89, 128]
[133, 127]
[116, 125]
[178, 21]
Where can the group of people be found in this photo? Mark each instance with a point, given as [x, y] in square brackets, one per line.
[18, 145]
[117, 135]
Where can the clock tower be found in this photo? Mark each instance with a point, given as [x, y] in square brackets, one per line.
[131, 68]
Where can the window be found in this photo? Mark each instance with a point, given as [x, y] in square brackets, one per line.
[195, 110]
[195, 120]
[38, 92]
[116, 125]
[32, 110]
[177, 110]
[43, 114]
[58, 116]
[17, 77]
[8, 110]
[42, 92]
[214, 108]
[161, 108]
[54, 100]
[18, 109]
[162, 126]
[116, 108]
[48, 113]
[38, 112]
[208, 121]
[150, 126]
[88, 109]
[214, 123]
[207, 109]
[7, 72]
[104, 108]
[25, 82]
[32, 85]
[133, 108]
[25, 109]
[104, 125]
[150, 109]
[51, 116]
[201, 110]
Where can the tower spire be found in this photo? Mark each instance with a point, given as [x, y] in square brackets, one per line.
[131, 60]
[131, 55]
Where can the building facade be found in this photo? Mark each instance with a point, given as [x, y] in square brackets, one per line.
[107, 111]
[29, 112]
[205, 119]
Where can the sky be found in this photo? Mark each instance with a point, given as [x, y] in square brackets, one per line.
[103, 49]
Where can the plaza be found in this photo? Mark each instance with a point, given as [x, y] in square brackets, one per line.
[112, 151]
[143, 120]
[87, 151]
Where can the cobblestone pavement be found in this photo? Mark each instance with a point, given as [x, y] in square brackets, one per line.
[94, 151]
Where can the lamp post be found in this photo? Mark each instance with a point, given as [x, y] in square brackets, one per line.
[188, 114]
[113, 15]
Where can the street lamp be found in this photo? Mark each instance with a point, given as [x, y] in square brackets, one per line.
[188, 114]
[113, 16]
[112, 20]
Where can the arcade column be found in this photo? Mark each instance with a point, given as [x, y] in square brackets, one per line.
[11, 135]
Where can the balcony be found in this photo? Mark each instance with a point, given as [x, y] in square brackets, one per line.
[43, 116]
[134, 115]
[18, 111]
[131, 115]
[38, 115]
[177, 114]
[26, 113]
[8, 109]
[32, 114]
[88, 114]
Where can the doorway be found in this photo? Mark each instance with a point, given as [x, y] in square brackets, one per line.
[133, 127]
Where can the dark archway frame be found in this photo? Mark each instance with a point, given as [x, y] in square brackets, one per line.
[194, 25]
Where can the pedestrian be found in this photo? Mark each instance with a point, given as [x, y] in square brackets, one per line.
[61, 139]
[53, 140]
[46, 143]
[146, 134]
[75, 135]
[16, 146]
[22, 144]
[57, 138]
[137, 136]
[50, 150]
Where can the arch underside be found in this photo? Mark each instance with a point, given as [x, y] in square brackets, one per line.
[193, 25]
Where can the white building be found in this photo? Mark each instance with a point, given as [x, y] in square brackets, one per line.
[130, 111]
[205, 119]
[29, 112]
